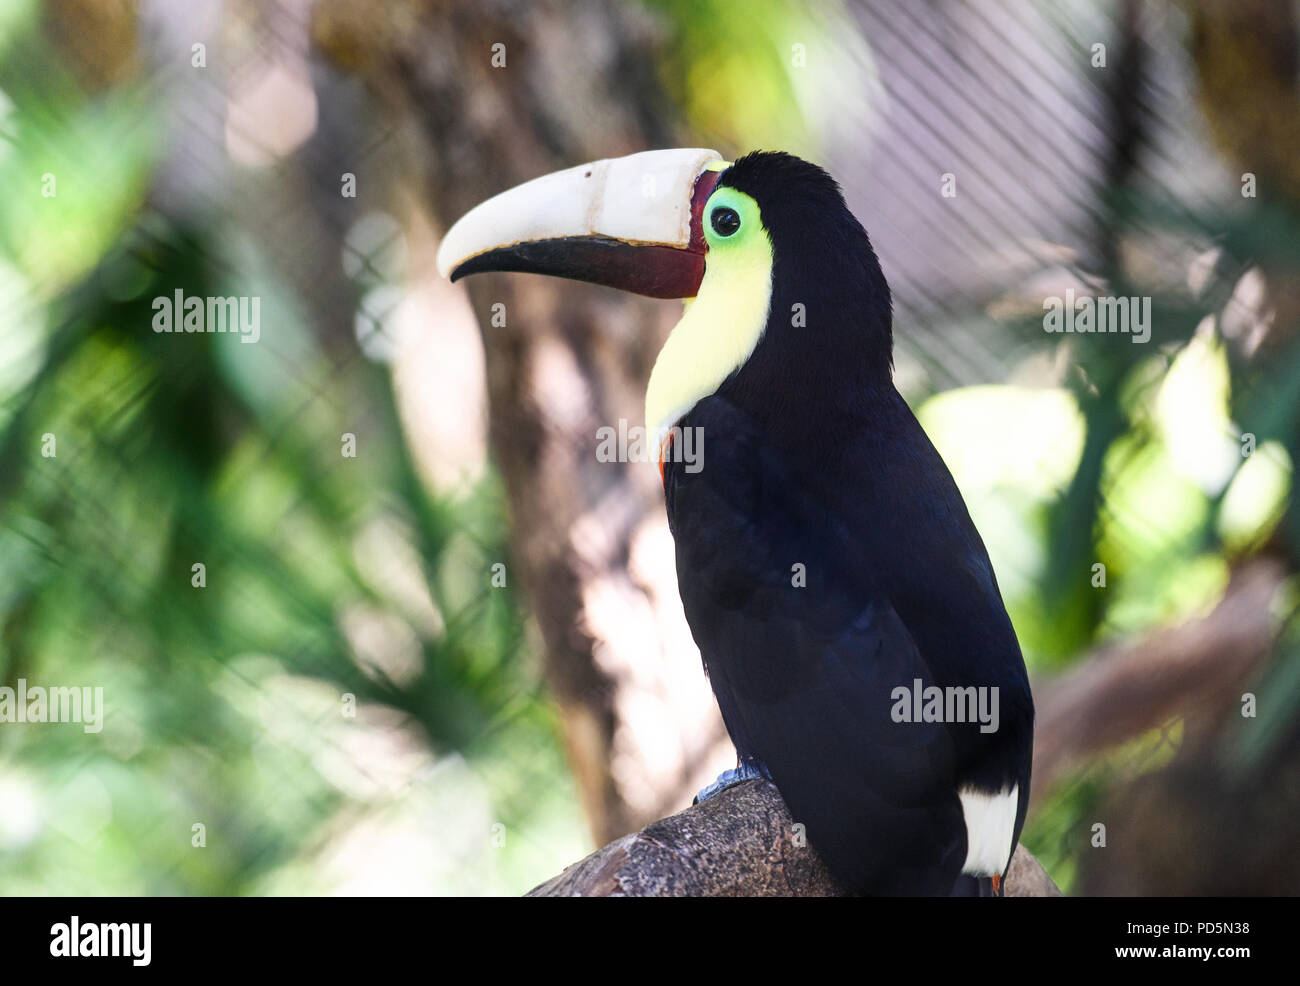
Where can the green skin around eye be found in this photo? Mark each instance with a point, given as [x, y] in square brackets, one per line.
[745, 207]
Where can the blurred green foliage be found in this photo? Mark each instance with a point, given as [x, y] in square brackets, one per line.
[230, 705]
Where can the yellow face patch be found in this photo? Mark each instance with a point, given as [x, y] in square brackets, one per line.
[723, 323]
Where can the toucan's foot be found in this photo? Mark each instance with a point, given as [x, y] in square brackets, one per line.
[748, 770]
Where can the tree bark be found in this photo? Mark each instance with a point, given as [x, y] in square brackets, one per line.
[740, 843]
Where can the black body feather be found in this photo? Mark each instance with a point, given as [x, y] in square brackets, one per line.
[811, 457]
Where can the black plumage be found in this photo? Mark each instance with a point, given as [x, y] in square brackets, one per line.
[812, 458]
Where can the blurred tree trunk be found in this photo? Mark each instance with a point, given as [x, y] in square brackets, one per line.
[503, 92]
[1247, 61]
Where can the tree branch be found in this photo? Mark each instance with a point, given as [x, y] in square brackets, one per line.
[1194, 670]
[740, 843]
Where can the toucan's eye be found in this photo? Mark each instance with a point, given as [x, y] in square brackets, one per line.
[725, 221]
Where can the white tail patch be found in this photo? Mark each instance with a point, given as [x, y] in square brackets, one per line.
[990, 825]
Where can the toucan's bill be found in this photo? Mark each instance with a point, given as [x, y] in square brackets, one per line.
[632, 223]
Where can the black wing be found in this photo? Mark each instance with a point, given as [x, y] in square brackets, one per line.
[805, 674]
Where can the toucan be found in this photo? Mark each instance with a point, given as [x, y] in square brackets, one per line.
[845, 608]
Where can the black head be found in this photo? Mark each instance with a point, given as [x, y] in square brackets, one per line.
[830, 305]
